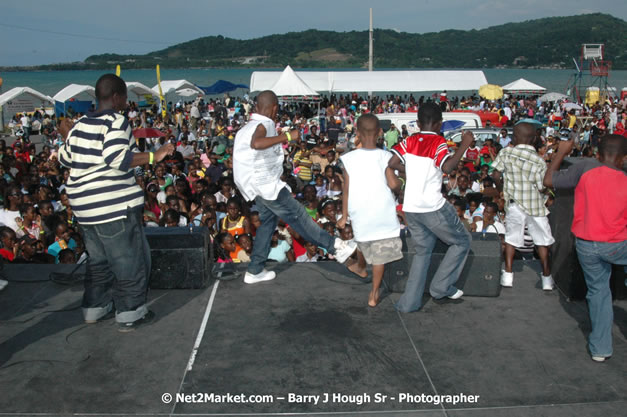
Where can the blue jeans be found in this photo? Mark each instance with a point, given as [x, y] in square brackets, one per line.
[596, 259]
[118, 268]
[426, 228]
[286, 208]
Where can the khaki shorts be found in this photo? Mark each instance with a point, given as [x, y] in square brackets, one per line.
[379, 252]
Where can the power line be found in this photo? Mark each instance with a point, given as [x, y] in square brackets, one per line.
[76, 35]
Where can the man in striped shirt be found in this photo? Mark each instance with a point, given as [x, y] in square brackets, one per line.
[101, 152]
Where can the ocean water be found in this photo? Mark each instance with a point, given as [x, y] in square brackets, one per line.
[51, 82]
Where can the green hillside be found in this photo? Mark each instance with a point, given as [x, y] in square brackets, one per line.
[549, 42]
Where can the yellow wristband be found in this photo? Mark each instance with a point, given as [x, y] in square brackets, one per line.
[289, 137]
[152, 158]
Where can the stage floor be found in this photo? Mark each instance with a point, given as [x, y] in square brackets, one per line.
[307, 343]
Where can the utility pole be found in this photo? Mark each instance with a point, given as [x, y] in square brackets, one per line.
[370, 49]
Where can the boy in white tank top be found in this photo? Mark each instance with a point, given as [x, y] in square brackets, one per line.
[368, 200]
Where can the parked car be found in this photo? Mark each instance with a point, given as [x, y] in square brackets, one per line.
[481, 134]
[471, 120]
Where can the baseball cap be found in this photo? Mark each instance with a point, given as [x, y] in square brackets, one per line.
[219, 150]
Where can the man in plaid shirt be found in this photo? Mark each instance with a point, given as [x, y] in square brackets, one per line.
[523, 172]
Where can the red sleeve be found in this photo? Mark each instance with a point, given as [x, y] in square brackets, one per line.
[400, 149]
[441, 152]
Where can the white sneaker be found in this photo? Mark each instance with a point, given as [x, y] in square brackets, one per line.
[507, 279]
[3, 283]
[264, 275]
[343, 249]
[547, 283]
[599, 358]
[458, 294]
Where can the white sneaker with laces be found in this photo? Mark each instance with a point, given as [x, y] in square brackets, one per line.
[458, 294]
[547, 283]
[343, 249]
[507, 279]
[3, 283]
[264, 275]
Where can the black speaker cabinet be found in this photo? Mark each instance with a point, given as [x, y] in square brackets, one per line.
[480, 276]
[181, 257]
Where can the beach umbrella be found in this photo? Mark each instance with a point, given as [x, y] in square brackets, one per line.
[148, 132]
[452, 125]
[491, 91]
[572, 106]
[553, 97]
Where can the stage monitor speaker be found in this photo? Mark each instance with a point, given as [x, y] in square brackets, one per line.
[480, 276]
[181, 257]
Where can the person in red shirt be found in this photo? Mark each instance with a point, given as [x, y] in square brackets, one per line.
[9, 247]
[471, 157]
[503, 119]
[599, 225]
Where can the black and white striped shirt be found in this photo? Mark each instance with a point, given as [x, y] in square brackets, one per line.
[99, 150]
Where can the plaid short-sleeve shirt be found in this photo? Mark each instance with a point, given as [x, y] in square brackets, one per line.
[523, 172]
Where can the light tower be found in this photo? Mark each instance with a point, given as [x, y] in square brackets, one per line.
[590, 82]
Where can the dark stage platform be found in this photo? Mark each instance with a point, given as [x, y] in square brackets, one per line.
[307, 343]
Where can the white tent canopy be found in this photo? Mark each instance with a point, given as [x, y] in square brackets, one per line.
[73, 90]
[376, 81]
[290, 84]
[16, 92]
[19, 100]
[170, 86]
[140, 89]
[522, 86]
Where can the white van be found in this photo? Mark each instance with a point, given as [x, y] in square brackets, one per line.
[471, 120]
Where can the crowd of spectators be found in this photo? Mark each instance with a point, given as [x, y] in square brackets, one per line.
[194, 186]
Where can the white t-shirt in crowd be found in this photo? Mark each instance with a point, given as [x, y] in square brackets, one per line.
[305, 258]
[257, 172]
[7, 218]
[371, 205]
[497, 227]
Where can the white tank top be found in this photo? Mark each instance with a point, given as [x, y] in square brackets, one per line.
[371, 205]
[257, 172]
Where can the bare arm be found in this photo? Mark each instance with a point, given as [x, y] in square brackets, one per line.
[451, 162]
[261, 141]
[564, 149]
[396, 164]
[143, 158]
[498, 179]
[393, 182]
[342, 221]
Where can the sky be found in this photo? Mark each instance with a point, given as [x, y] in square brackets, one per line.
[35, 32]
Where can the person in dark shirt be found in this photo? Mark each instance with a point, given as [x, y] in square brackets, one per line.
[333, 131]
[599, 225]
[215, 170]
[313, 139]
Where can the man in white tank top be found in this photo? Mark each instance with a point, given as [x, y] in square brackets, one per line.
[257, 169]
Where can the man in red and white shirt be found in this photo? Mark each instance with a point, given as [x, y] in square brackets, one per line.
[424, 157]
